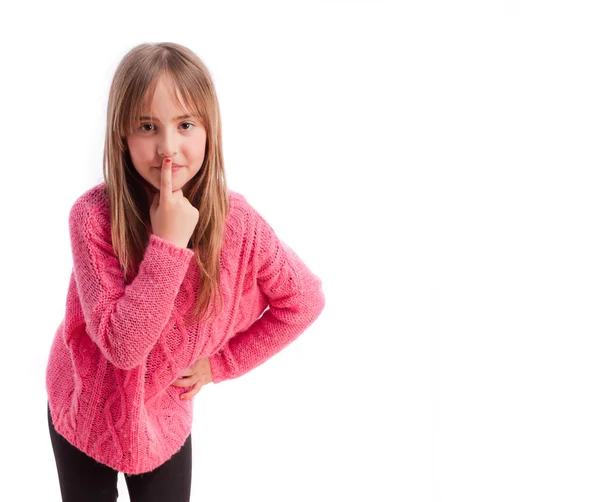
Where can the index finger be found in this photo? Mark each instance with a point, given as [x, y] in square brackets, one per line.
[166, 186]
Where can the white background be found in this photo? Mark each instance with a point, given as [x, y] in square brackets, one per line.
[434, 162]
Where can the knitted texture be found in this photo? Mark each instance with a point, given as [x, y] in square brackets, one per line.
[121, 345]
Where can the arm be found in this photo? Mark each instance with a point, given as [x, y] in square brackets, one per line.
[295, 300]
[125, 321]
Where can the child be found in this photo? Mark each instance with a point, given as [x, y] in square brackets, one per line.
[173, 275]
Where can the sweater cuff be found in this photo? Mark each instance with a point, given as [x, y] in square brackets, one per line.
[173, 250]
[217, 367]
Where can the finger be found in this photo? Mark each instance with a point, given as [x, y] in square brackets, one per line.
[182, 382]
[187, 376]
[192, 392]
[166, 185]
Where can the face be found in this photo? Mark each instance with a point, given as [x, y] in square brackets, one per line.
[165, 134]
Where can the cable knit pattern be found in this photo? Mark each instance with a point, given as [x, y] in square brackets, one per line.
[120, 346]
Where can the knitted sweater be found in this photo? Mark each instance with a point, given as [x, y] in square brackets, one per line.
[120, 346]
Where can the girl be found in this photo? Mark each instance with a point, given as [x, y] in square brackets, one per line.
[177, 281]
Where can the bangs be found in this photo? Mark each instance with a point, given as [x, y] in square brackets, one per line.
[139, 105]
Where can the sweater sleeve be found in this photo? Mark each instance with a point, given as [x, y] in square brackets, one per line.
[295, 299]
[125, 321]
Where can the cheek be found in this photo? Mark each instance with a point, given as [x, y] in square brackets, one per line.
[200, 146]
[201, 151]
[193, 153]
[138, 150]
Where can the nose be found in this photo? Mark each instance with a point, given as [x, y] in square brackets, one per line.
[167, 145]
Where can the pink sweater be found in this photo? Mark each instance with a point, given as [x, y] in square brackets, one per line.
[120, 346]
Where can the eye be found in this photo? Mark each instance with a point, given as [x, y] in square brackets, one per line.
[152, 125]
[144, 125]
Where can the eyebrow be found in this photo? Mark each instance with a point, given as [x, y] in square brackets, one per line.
[154, 119]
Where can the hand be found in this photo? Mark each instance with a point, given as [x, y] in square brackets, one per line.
[198, 374]
[172, 216]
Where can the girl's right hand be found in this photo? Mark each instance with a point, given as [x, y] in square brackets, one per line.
[172, 216]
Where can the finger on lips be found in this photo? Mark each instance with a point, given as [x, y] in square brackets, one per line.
[165, 178]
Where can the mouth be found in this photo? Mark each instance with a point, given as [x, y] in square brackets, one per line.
[174, 166]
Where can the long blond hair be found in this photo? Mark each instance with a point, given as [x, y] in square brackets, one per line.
[136, 77]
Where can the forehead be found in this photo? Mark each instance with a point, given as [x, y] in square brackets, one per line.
[164, 101]
[164, 90]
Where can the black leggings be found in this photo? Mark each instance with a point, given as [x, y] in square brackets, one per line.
[82, 478]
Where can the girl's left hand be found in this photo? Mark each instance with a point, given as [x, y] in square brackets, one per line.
[198, 374]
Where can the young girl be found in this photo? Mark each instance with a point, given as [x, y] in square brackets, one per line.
[177, 281]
